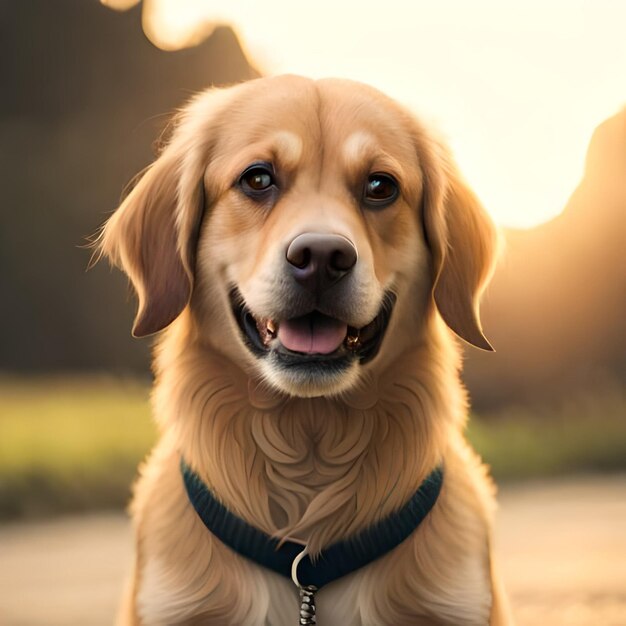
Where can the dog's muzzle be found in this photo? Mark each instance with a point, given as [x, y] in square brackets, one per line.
[314, 332]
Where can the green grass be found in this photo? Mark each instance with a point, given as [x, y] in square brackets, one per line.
[70, 444]
[587, 433]
[74, 444]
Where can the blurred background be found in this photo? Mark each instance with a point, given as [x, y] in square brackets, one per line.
[532, 100]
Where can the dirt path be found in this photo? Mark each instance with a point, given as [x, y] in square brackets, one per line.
[562, 552]
[561, 547]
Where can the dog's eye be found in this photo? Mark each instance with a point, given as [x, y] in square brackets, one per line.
[257, 179]
[380, 190]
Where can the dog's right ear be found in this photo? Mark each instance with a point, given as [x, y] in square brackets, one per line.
[142, 238]
[153, 234]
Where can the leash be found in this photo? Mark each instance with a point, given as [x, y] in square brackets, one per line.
[290, 559]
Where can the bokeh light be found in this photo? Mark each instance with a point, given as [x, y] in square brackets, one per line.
[517, 88]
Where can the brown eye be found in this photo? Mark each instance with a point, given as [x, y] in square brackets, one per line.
[380, 190]
[257, 180]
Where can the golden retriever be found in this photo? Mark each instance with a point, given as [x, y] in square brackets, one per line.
[307, 248]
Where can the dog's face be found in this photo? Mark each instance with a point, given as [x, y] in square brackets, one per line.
[307, 225]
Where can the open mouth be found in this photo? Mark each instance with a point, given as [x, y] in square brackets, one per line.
[314, 337]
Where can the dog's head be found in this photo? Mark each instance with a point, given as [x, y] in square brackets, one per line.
[311, 230]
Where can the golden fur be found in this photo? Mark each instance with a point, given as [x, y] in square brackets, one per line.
[311, 460]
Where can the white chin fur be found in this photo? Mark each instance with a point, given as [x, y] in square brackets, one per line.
[304, 386]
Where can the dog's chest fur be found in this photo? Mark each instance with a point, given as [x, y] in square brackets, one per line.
[351, 601]
[439, 576]
[189, 577]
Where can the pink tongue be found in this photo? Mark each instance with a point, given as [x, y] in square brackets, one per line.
[312, 334]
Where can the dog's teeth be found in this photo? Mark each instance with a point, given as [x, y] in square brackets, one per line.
[353, 340]
[271, 328]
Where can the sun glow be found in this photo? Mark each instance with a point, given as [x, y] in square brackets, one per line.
[516, 88]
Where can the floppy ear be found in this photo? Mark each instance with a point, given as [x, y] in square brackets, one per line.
[153, 234]
[144, 238]
[463, 243]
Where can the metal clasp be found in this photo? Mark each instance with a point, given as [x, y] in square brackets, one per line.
[307, 593]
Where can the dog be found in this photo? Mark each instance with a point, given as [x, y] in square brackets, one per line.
[310, 257]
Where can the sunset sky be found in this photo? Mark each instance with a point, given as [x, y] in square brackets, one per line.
[517, 88]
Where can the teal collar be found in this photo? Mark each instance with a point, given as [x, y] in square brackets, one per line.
[337, 560]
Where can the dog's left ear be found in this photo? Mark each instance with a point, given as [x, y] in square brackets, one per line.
[463, 244]
[145, 239]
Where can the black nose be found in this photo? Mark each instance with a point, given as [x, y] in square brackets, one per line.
[318, 261]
